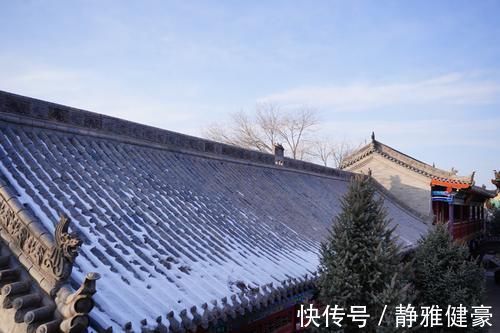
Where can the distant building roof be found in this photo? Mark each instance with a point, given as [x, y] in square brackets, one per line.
[376, 147]
[171, 221]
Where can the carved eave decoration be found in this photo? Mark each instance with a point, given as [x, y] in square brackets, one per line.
[76, 306]
[48, 260]
[52, 259]
[496, 181]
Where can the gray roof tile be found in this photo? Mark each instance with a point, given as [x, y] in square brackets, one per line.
[169, 230]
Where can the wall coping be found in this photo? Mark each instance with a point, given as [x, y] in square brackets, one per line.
[38, 113]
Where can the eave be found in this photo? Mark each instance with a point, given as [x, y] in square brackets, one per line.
[406, 161]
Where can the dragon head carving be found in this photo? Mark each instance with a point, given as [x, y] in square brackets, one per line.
[68, 243]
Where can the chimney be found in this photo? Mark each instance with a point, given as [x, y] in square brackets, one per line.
[279, 154]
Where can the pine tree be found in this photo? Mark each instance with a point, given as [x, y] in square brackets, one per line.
[360, 261]
[494, 222]
[444, 273]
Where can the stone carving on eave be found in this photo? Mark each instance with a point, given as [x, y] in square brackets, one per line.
[76, 306]
[496, 181]
[52, 259]
[49, 261]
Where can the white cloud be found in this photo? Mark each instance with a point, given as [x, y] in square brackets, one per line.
[91, 91]
[450, 89]
[424, 133]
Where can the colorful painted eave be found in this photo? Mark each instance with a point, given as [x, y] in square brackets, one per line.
[450, 183]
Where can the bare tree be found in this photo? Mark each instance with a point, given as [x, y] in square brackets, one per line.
[270, 121]
[241, 131]
[270, 125]
[323, 150]
[342, 150]
[296, 128]
[331, 153]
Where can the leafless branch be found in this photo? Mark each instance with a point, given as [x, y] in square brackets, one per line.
[270, 124]
[297, 127]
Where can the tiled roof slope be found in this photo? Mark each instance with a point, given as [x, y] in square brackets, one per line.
[404, 160]
[167, 226]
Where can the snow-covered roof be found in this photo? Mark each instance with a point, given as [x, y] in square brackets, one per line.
[170, 221]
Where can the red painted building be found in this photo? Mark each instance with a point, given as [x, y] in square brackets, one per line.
[461, 205]
[437, 195]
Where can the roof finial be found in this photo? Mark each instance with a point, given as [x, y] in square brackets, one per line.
[279, 154]
[373, 136]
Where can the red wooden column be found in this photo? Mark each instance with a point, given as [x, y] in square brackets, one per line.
[451, 219]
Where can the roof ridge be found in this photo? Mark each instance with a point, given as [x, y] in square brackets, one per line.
[39, 113]
[432, 170]
[401, 158]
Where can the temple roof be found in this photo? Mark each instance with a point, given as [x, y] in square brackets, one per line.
[170, 221]
[376, 147]
[482, 191]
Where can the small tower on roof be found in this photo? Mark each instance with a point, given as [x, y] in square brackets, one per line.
[279, 154]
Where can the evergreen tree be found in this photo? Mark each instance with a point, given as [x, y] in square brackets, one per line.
[360, 261]
[494, 222]
[445, 274]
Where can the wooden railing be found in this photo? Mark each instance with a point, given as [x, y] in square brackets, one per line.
[463, 230]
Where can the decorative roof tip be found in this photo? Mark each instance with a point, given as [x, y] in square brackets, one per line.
[279, 154]
[496, 180]
[373, 136]
[77, 305]
[66, 250]
[278, 149]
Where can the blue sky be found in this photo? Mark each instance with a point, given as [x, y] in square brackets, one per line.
[424, 75]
